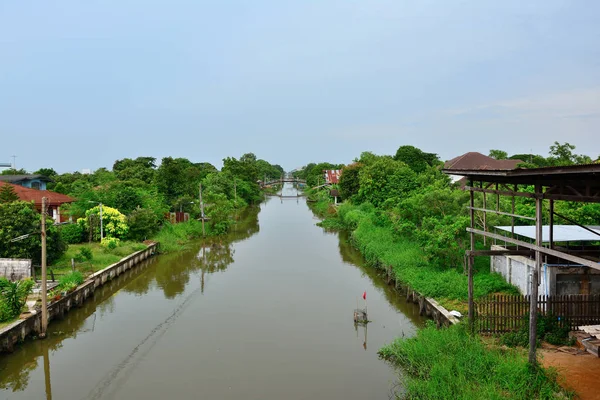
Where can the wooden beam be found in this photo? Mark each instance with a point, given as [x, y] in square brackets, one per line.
[507, 252]
[503, 213]
[500, 192]
[471, 315]
[533, 299]
[550, 252]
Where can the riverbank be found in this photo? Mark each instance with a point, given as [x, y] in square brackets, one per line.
[18, 331]
[439, 363]
[385, 249]
[177, 237]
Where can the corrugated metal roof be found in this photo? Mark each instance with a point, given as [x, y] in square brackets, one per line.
[332, 175]
[562, 233]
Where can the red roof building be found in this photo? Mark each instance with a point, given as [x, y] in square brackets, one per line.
[53, 200]
[332, 176]
[477, 161]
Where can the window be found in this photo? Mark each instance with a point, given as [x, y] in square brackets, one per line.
[35, 185]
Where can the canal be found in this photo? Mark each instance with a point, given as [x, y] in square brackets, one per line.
[264, 314]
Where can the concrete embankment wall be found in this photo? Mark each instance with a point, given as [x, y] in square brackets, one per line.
[19, 330]
[427, 306]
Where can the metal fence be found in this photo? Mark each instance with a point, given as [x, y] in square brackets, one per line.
[506, 313]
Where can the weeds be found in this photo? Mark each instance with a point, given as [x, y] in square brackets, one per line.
[451, 364]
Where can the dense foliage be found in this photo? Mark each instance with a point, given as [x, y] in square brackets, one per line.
[12, 297]
[405, 214]
[20, 218]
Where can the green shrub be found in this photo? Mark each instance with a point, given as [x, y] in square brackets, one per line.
[549, 329]
[85, 254]
[142, 224]
[13, 297]
[72, 233]
[110, 243]
[70, 281]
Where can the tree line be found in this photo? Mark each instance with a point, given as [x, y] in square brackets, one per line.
[136, 195]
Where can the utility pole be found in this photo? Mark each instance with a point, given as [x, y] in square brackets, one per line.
[44, 274]
[14, 162]
[202, 211]
[101, 230]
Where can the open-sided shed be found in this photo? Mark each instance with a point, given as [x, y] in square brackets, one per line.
[579, 183]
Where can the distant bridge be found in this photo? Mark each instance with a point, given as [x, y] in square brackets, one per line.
[281, 181]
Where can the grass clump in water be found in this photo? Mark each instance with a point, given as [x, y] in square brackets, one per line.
[451, 364]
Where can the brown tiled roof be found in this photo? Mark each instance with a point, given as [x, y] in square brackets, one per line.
[35, 195]
[478, 161]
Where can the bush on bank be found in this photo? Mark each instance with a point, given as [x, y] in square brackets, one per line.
[451, 364]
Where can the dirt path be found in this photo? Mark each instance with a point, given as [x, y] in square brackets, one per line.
[580, 371]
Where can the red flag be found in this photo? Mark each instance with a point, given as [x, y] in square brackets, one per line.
[365, 295]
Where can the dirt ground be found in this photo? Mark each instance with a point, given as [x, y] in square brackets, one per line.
[579, 369]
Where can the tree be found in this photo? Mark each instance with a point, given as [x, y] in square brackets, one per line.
[114, 223]
[20, 218]
[142, 168]
[48, 172]
[498, 154]
[415, 158]
[350, 181]
[8, 194]
[562, 154]
[12, 171]
[142, 224]
[386, 181]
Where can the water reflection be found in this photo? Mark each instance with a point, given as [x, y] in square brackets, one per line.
[171, 273]
[15, 368]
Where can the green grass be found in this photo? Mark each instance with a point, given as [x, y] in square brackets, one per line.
[101, 257]
[451, 364]
[410, 266]
[381, 248]
[177, 237]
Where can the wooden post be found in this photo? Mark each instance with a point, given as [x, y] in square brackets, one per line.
[535, 278]
[551, 223]
[44, 274]
[484, 217]
[202, 210]
[512, 225]
[471, 305]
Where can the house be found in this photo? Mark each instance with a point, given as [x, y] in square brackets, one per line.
[332, 176]
[473, 161]
[28, 181]
[476, 161]
[53, 200]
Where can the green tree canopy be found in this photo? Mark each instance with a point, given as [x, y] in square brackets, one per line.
[415, 158]
[20, 218]
[498, 154]
[8, 194]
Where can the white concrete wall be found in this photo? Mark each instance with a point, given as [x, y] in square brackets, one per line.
[15, 268]
[517, 270]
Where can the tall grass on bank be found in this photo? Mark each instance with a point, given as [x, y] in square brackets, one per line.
[101, 256]
[382, 248]
[177, 237]
[451, 364]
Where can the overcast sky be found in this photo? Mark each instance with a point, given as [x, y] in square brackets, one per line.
[83, 83]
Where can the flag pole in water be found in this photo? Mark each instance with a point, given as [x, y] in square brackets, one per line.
[365, 298]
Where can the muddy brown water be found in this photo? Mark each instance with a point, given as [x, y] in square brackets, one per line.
[264, 314]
